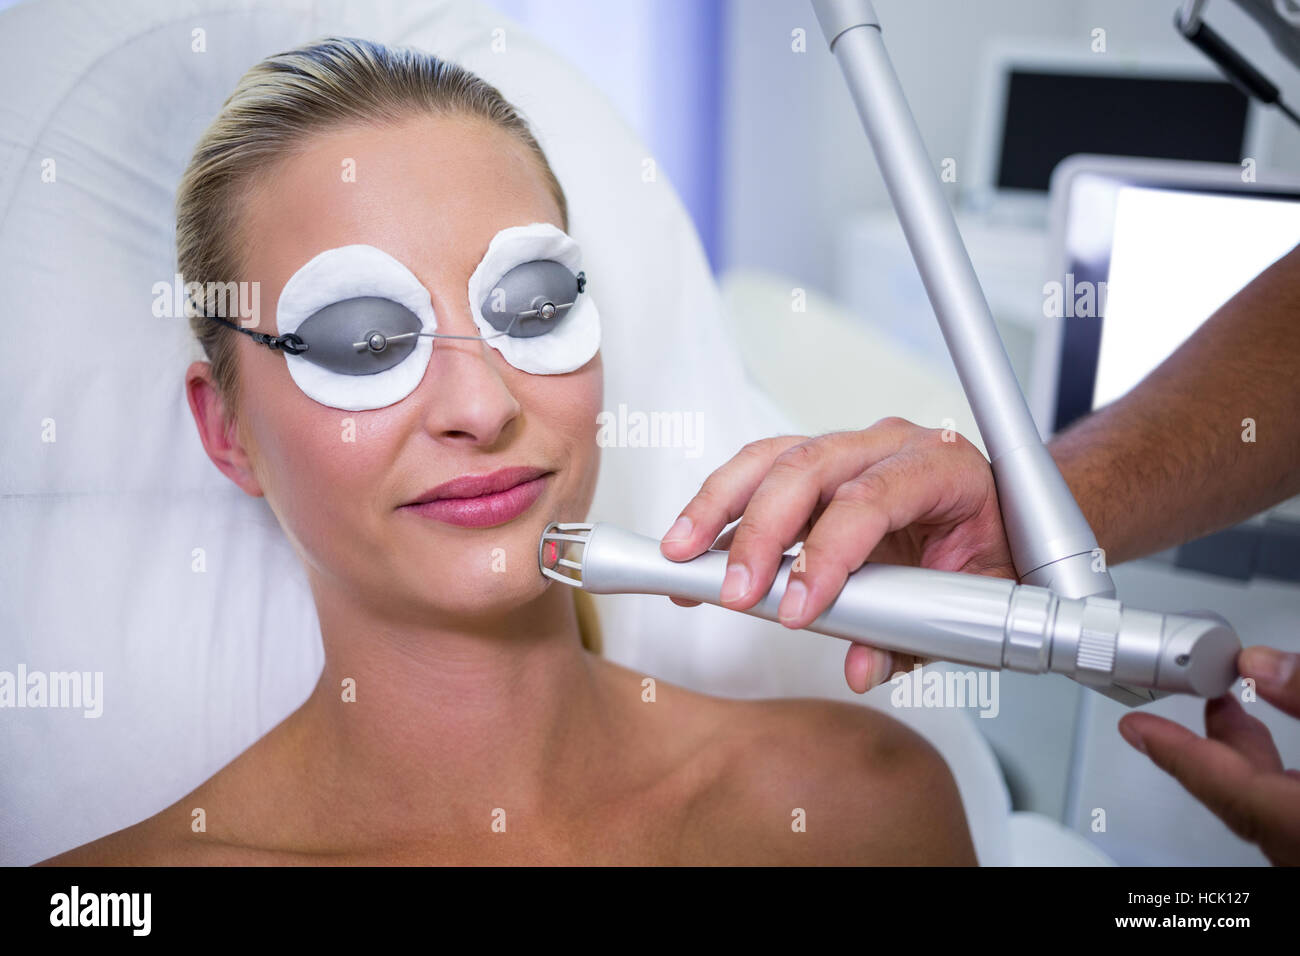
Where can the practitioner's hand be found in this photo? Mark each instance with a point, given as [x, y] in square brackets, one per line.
[894, 493]
[1235, 770]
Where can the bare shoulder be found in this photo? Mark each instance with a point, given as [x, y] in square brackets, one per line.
[811, 781]
[796, 780]
[202, 828]
[161, 840]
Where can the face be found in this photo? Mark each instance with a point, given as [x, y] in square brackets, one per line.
[431, 193]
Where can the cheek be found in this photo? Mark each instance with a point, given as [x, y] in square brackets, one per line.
[567, 402]
[572, 405]
[579, 417]
[560, 422]
[319, 466]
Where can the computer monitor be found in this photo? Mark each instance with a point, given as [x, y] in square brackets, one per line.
[1142, 253]
[1035, 106]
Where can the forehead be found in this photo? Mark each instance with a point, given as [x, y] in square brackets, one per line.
[429, 191]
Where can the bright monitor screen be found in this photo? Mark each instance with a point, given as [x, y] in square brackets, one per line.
[1175, 258]
[1157, 261]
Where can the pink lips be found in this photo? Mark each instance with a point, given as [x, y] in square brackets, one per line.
[481, 501]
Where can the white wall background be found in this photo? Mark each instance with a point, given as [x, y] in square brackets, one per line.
[796, 163]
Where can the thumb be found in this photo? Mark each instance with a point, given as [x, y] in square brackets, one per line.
[1276, 676]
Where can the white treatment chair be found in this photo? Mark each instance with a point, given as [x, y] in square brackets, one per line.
[128, 554]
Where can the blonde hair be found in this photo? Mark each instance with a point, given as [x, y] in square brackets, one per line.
[275, 107]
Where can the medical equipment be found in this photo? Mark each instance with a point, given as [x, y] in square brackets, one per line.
[1130, 655]
[963, 618]
[1142, 253]
[1127, 239]
[1281, 20]
[1021, 126]
[351, 320]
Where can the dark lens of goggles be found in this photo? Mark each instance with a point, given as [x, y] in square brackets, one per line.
[360, 336]
[531, 299]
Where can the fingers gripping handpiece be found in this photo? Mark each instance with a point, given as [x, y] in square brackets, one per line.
[965, 618]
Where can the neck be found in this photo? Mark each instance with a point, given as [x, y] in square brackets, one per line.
[446, 718]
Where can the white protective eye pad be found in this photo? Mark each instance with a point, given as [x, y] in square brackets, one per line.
[343, 277]
[360, 326]
[573, 341]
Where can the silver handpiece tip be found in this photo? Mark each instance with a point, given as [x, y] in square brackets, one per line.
[555, 551]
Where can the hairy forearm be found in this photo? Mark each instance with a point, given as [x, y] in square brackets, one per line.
[1169, 461]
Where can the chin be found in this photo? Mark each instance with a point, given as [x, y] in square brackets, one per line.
[486, 594]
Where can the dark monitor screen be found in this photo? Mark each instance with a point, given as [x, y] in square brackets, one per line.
[1049, 116]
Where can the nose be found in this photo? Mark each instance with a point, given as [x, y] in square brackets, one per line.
[464, 397]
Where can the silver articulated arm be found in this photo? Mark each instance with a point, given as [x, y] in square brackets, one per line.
[1051, 542]
[966, 618]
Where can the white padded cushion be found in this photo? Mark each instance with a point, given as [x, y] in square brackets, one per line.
[103, 524]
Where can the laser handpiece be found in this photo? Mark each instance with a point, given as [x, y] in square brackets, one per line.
[965, 618]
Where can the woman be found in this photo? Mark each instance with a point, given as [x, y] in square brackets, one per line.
[464, 714]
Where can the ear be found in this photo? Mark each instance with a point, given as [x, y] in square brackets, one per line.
[218, 430]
